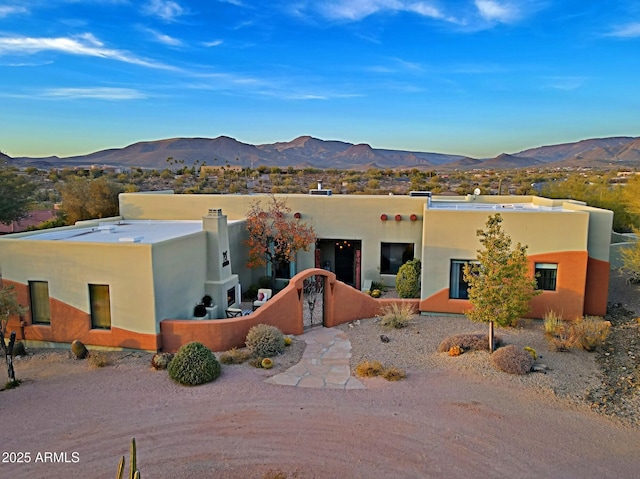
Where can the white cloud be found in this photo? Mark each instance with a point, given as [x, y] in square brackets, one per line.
[162, 38]
[6, 10]
[167, 10]
[564, 83]
[83, 45]
[630, 30]
[99, 93]
[358, 9]
[213, 43]
[495, 11]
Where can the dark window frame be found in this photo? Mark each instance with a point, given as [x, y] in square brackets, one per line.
[546, 275]
[100, 306]
[389, 263]
[40, 309]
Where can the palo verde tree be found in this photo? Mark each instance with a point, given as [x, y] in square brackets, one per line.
[15, 194]
[274, 235]
[500, 288]
[9, 306]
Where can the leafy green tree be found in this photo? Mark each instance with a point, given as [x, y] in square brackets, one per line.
[500, 288]
[274, 236]
[15, 194]
[9, 306]
[84, 199]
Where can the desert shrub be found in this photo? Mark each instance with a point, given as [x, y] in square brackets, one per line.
[396, 315]
[559, 333]
[79, 350]
[408, 279]
[369, 369]
[512, 359]
[379, 285]
[160, 361]
[468, 342]
[393, 373]
[287, 341]
[99, 359]
[194, 364]
[265, 340]
[256, 362]
[11, 384]
[590, 332]
[234, 356]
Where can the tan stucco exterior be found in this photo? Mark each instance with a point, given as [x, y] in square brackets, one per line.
[150, 283]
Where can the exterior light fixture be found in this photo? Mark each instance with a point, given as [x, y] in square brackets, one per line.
[297, 215]
[383, 217]
[413, 217]
[398, 218]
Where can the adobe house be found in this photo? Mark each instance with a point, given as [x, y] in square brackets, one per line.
[128, 281]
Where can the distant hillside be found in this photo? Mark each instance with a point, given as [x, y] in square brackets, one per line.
[307, 151]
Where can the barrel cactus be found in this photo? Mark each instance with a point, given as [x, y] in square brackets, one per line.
[194, 364]
[79, 350]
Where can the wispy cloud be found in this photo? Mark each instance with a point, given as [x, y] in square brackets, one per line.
[354, 10]
[163, 38]
[84, 45]
[564, 83]
[166, 10]
[98, 93]
[6, 10]
[495, 11]
[213, 43]
[630, 30]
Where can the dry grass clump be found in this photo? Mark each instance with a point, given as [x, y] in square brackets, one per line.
[235, 356]
[370, 369]
[590, 332]
[393, 373]
[587, 333]
[160, 361]
[99, 359]
[512, 359]
[396, 315]
[468, 342]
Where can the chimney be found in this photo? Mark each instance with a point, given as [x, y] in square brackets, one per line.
[319, 184]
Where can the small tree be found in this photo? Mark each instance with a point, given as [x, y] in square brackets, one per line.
[274, 236]
[15, 194]
[500, 288]
[408, 279]
[9, 306]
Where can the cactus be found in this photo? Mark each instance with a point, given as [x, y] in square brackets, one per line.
[78, 349]
[133, 472]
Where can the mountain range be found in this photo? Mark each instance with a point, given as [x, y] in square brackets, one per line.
[309, 152]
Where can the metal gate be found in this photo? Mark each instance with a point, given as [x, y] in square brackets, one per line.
[313, 301]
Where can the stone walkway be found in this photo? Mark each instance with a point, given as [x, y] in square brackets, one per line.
[324, 363]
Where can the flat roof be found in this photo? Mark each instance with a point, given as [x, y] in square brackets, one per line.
[123, 231]
[471, 206]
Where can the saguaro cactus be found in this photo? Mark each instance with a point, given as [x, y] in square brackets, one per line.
[133, 472]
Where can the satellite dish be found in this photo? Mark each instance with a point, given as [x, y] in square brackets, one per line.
[476, 192]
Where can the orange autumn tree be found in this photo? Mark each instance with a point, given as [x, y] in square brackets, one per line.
[274, 235]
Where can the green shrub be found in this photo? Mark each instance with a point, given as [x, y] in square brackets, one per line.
[590, 332]
[194, 364]
[408, 279]
[160, 361]
[468, 342]
[512, 359]
[396, 315]
[265, 340]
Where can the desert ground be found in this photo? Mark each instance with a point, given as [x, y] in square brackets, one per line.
[451, 417]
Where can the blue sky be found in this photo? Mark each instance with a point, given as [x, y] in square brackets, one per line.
[472, 77]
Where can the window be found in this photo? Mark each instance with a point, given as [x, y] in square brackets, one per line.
[100, 306]
[546, 274]
[458, 287]
[39, 295]
[394, 255]
[285, 269]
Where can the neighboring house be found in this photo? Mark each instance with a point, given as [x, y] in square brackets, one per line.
[34, 218]
[112, 282]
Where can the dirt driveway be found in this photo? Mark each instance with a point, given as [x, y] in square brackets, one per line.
[434, 424]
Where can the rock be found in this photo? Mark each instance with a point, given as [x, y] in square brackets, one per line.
[384, 339]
